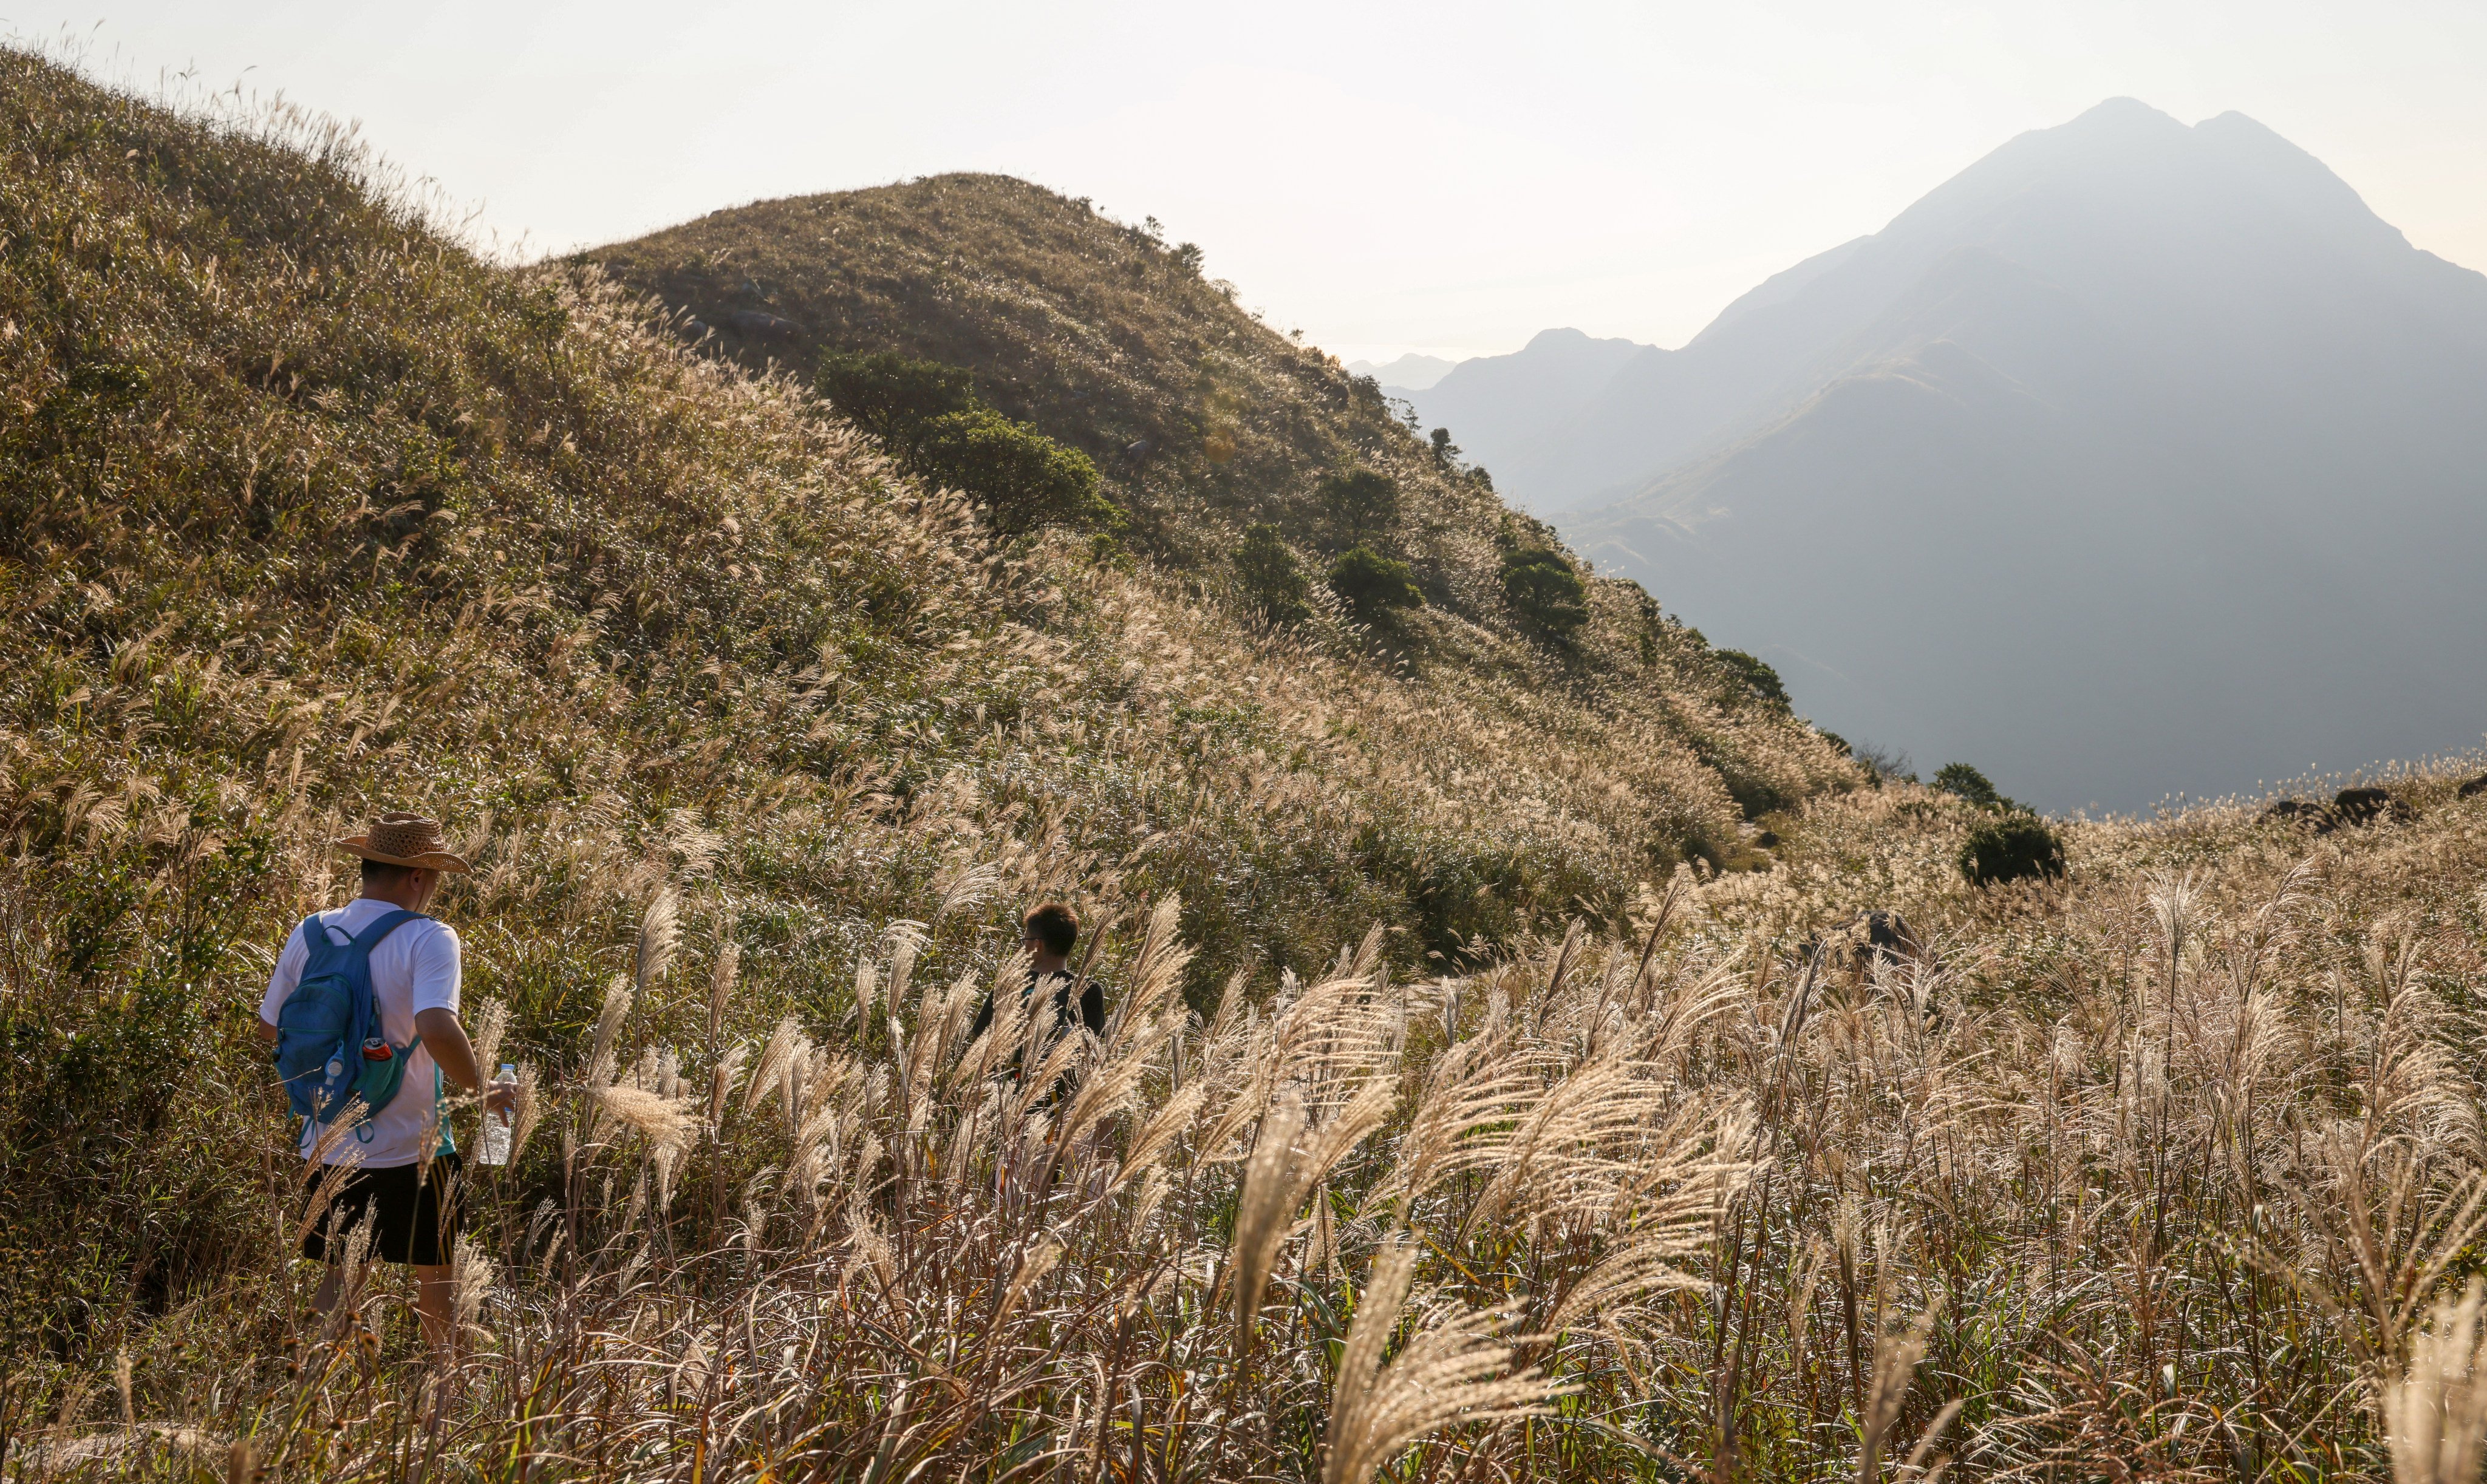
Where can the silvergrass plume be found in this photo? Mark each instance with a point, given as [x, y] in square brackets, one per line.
[1458, 1368]
[2435, 1413]
[660, 930]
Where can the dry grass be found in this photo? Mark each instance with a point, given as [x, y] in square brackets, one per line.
[2167, 1177]
[2167, 1170]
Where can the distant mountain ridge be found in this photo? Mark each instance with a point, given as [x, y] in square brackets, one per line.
[1409, 372]
[1600, 426]
[1500, 406]
[2134, 458]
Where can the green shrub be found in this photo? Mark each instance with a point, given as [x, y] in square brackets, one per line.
[1756, 676]
[1373, 586]
[893, 395]
[2010, 848]
[1272, 580]
[1962, 781]
[1023, 477]
[928, 417]
[1543, 591]
[1360, 504]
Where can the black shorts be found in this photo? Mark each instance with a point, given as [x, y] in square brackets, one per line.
[413, 1220]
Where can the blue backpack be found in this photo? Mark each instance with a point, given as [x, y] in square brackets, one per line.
[325, 1026]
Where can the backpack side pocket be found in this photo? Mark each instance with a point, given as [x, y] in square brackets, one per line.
[379, 1081]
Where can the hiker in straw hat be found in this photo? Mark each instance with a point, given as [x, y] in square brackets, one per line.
[377, 1172]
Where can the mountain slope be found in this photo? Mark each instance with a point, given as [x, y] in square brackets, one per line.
[1204, 422]
[2170, 465]
[306, 513]
[1198, 416]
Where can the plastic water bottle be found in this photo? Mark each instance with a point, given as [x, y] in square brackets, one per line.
[497, 1126]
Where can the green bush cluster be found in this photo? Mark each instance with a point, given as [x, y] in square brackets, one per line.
[1375, 588]
[2011, 847]
[1962, 781]
[1024, 478]
[1544, 592]
[892, 395]
[1272, 580]
[1362, 505]
[1754, 675]
[2012, 844]
[928, 417]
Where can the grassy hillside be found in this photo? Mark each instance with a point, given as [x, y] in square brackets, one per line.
[1201, 417]
[1202, 422]
[304, 511]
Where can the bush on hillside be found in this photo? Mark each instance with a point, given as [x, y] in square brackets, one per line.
[893, 395]
[1755, 675]
[1373, 587]
[1544, 592]
[2011, 848]
[1273, 583]
[932, 423]
[1962, 781]
[1024, 478]
[1359, 504]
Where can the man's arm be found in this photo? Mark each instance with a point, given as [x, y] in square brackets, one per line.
[446, 1040]
[282, 977]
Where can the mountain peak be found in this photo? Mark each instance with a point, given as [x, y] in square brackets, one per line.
[2219, 364]
[2121, 113]
[2235, 122]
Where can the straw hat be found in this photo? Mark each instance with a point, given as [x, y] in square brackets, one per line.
[398, 839]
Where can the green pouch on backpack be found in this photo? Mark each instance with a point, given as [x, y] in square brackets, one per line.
[378, 1081]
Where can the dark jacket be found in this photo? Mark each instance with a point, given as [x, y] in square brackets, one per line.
[1092, 1004]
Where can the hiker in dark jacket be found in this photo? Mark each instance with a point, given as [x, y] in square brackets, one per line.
[1048, 933]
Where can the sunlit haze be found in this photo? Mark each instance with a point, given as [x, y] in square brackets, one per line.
[1385, 178]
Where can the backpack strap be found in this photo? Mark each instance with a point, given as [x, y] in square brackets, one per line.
[370, 938]
[364, 943]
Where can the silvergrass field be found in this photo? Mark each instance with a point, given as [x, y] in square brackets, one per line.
[1505, 1076]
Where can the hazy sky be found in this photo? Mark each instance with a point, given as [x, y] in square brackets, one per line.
[1449, 178]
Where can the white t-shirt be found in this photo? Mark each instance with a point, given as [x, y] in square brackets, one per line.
[414, 968]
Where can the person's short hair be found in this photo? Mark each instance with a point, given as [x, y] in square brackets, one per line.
[381, 873]
[1052, 924]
